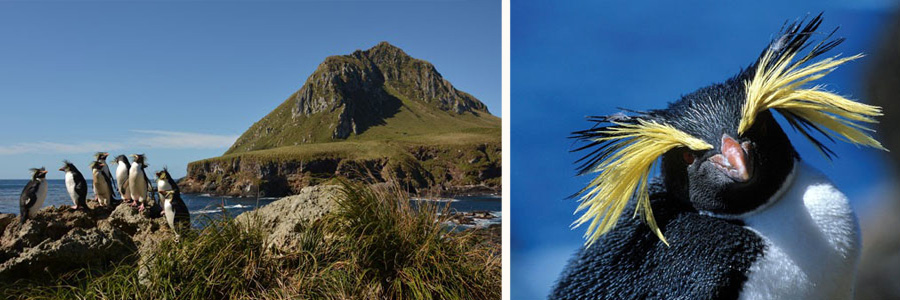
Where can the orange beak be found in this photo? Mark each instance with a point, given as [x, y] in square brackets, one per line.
[733, 161]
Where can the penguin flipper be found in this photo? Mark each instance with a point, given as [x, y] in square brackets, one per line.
[708, 258]
[27, 199]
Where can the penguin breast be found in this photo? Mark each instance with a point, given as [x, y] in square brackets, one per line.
[812, 242]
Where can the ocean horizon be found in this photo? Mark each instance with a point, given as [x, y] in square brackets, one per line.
[213, 206]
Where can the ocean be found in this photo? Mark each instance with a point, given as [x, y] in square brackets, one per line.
[212, 206]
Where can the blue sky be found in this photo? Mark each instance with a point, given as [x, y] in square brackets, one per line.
[180, 81]
[572, 59]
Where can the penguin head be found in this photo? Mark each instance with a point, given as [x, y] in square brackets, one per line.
[101, 156]
[139, 159]
[164, 174]
[720, 149]
[96, 165]
[68, 167]
[38, 173]
[122, 159]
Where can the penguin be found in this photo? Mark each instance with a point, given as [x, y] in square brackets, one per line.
[138, 182]
[103, 190]
[122, 172]
[100, 157]
[75, 185]
[735, 212]
[176, 211]
[33, 195]
[165, 182]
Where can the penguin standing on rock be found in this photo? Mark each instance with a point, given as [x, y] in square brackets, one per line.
[33, 195]
[103, 190]
[138, 182]
[122, 172]
[75, 185]
[736, 213]
[176, 211]
[100, 157]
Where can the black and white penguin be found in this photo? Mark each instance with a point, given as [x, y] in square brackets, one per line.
[735, 211]
[103, 187]
[176, 211]
[75, 185]
[33, 195]
[122, 172]
[165, 182]
[100, 157]
[139, 184]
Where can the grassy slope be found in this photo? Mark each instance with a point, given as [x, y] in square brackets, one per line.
[415, 123]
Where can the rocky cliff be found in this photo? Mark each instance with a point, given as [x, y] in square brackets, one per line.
[426, 169]
[377, 115]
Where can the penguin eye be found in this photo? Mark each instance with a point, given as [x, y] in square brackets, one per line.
[688, 157]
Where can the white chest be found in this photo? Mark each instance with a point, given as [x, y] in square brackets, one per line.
[812, 242]
[170, 214]
[70, 186]
[41, 196]
[121, 172]
[163, 185]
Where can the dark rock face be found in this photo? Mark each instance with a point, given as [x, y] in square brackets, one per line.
[354, 86]
[425, 170]
[60, 240]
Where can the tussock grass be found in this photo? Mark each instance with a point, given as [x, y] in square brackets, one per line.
[375, 246]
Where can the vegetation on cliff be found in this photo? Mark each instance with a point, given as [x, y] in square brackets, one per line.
[373, 246]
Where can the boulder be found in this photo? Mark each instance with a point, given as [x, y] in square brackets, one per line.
[60, 240]
[283, 219]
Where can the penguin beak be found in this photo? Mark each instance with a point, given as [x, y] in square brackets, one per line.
[734, 159]
[43, 172]
[63, 169]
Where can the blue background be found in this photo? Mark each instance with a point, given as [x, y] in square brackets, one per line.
[571, 59]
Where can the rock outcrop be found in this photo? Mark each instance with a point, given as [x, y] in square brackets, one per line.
[432, 170]
[281, 220]
[59, 240]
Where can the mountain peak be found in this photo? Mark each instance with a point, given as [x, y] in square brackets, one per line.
[349, 94]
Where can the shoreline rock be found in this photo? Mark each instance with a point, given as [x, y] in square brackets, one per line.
[60, 240]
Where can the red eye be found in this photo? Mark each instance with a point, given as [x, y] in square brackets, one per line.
[688, 157]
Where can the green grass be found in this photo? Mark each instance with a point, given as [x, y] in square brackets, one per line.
[415, 121]
[375, 246]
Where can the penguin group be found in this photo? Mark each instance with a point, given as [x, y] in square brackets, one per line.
[130, 186]
[736, 213]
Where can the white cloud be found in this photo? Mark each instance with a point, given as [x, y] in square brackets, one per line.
[184, 140]
[144, 138]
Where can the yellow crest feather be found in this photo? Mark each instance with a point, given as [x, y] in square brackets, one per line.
[627, 171]
[777, 84]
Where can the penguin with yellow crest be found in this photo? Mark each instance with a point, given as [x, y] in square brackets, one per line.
[735, 212]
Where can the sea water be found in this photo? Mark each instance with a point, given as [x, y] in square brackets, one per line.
[201, 205]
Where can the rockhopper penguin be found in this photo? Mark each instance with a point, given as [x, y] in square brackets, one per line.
[138, 182]
[735, 211]
[102, 185]
[176, 211]
[33, 195]
[100, 157]
[75, 185]
[122, 167]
